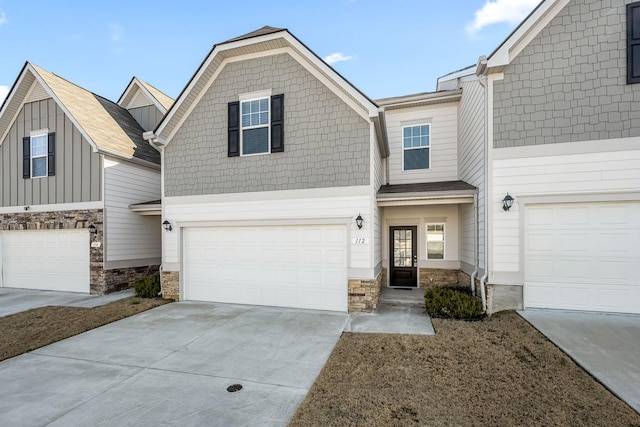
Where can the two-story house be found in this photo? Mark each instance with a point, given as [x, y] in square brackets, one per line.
[71, 163]
[285, 185]
[561, 120]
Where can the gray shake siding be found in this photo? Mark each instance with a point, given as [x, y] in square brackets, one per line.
[326, 141]
[78, 173]
[569, 83]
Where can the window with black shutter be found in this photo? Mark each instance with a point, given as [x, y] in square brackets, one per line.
[256, 126]
[39, 155]
[633, 42]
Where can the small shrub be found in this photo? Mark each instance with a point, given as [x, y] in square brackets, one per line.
[452, 302]
[148, 287]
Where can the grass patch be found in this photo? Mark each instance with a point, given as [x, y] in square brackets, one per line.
[32, 329]
[496, 372]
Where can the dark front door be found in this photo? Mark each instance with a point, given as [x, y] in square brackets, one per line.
[403, 257]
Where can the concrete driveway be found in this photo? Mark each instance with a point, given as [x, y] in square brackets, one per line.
[172, 366]
[605, 345]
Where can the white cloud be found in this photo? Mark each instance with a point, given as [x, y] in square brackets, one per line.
[337, 57]
[497, 11]
[3, 17]
[116, 31]
[4, 91]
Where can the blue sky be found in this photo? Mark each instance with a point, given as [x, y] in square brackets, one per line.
[384, 47]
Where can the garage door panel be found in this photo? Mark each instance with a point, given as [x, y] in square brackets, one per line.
[594, 260]
[46, 259]
[296, 266]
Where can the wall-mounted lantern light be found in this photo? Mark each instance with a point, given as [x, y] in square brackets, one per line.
[92, 229]
[359, 221]
[507, 202]
[167, 225]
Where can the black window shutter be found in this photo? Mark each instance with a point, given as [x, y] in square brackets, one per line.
[26, 157]
[51, 153]
[234, 129]
[277, 123]
[633, 42]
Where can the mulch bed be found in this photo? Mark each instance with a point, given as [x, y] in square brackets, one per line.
[32, 329]
[497, 372]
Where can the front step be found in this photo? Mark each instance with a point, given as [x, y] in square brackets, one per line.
[411, 297]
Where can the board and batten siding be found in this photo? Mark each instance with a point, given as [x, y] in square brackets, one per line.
[128, 235]
[443, 119]
[326, 142]
[314, 207]
[78, 175]
[147, 117]
[471, 167]
[523, 172]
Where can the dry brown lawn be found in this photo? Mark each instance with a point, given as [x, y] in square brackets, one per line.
[26, 331]
[497, 372]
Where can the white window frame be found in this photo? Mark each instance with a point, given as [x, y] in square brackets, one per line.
[444, 240]
[255, 96]
[37, 134]
[414, 148]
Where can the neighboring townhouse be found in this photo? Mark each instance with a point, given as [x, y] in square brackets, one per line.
[71, 163]
[284, 185]
[563, 140]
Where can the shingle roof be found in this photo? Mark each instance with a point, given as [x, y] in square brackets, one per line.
[426, 187]
[165, 100]
[259, 32]
[109, 126]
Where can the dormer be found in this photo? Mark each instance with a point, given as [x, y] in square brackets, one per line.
[145, 103]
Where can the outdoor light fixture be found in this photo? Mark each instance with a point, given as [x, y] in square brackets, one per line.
[507, 202]
[92, 229]
[359, 221]
[167, 225]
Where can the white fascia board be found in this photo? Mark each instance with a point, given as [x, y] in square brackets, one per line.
[136, 84]
[457, 74]
[523, 35]
[296, 46]
[9, 100]
[345, 85]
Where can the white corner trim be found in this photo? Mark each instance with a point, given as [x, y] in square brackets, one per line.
[52, 207]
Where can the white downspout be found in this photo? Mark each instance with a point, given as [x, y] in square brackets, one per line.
[153, 141]
[482, 78]
[476, 255]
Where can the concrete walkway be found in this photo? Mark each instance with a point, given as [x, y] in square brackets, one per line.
[400, 311]
[17, 300]
[605, 345]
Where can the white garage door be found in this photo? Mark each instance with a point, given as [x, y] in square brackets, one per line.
[583, 256]
[55, 260]
[297, 266]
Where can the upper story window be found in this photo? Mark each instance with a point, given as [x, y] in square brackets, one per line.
[38, 155]
[256, 124]
[416, 141]
[633, 42]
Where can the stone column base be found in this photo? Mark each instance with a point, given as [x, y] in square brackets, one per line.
[171, 285]
[364, 294]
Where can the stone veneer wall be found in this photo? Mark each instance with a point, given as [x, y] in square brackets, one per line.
[101, 281]
[464, 279]
[364, 294]
[171, 285]
[433, 277]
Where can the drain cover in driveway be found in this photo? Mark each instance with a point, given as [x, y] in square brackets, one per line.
[234, 387]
